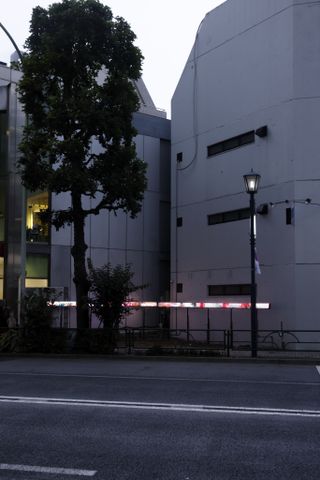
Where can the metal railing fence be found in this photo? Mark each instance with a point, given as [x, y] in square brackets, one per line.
[149, 340]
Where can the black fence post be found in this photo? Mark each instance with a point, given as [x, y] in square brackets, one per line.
[143, 322]
[61, 316]
[227, 341]
[231, 328]
[283, 345]
[188, 326]
[208, 326]
[128, 339]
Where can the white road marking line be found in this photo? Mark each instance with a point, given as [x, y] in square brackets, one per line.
[60, 471]
[162, 406]
[169, 379]
[318, 368]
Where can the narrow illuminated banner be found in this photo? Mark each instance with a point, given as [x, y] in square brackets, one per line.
[216, 305]
[65, 304]
[263, 306]
[132, 304]
[169, 304]
[148, 304]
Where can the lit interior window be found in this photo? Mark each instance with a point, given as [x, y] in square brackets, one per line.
[37, 229]
[37, 271]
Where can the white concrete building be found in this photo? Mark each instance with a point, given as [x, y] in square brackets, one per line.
[254, 63]
[11, 194]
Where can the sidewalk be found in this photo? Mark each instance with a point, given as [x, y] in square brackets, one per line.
[280, 357]
[221, 355]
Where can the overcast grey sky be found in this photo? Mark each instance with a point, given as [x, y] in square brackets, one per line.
[165, 33]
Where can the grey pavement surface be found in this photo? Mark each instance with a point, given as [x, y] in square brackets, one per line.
[144, 419]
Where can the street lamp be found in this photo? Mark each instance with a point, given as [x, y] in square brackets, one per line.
[251, 181]
[12, 41]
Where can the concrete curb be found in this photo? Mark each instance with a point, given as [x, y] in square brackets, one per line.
[280, 359]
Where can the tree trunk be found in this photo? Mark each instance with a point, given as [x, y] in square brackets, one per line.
[78, 252]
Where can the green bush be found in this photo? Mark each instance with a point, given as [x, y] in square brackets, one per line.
[110, 288]
[36, 322]
[94, 341]
[10, 340]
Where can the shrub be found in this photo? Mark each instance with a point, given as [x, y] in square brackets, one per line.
[110, 288]
[10, 340]
[36, 321]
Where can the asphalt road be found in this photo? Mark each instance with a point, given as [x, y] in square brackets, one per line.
[153, 420]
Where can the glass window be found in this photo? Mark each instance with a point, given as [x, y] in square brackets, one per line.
[231, 216]
[230, 290]
[179, 287]
[37, 228]
[37, 271]
[215, 149]
[246, 138]
[231, 143]
[36, 283]
[179, 157]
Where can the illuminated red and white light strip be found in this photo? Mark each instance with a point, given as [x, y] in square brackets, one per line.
[201, 305]
[217, 305]
[231, 305]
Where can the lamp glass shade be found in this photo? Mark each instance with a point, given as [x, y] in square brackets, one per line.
[251, 182]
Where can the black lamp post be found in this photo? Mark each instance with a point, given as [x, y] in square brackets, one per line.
[12, 41]
[251, 181]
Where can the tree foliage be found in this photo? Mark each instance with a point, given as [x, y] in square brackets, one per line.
[78, 93]
[111, 286]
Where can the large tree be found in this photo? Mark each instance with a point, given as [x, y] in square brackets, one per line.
[78, 93]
